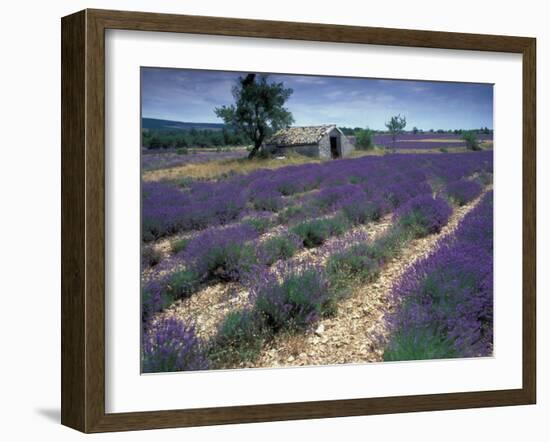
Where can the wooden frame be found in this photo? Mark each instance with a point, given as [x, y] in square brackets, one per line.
[83, 217]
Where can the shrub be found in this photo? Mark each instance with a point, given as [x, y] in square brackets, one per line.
[182, 151]
[312, 233]
[293, 300]
[463, 191]
[178, 245]
[331, 198]
[239, 337]
[485, 178]
[154, 299]
[170, 345]
[361, 212]
[423, 215]
[268, 200]
[150, 256]
[181, 284]
[389, 245]
[223, 254]
[471, 140]
[290, 214]
[364, 139]
[417, 344]
[315, 232]
[278, 247]
[356, 263]
[259, 223]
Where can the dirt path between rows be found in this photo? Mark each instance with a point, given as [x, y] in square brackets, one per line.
[348, 337]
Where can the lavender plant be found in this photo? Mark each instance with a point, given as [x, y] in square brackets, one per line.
[171, 345]
[292, 298]
[463, 191]
[423, 215]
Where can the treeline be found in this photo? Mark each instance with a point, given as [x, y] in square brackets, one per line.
[354, 131]
[178, 138]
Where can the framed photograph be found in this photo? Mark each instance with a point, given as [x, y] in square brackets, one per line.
[268, 220]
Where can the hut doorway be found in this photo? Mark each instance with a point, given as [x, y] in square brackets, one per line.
[334, 153]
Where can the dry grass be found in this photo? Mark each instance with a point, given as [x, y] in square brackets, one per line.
[219, 168]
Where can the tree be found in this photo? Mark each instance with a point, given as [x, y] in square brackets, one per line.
[364, 138]
[471, 140]
[415, 130]
[258, 110]
[395, 126]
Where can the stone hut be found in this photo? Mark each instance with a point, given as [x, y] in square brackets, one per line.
[314, 141]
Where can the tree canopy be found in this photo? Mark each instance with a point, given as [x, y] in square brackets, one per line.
[258, 110]
[395, 126]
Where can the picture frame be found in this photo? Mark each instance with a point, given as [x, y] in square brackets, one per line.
[83, 220]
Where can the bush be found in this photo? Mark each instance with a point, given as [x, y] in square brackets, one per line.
[292, 301]
[423, 215]
[268, 200]
[181, 284]
[418, 344]
[331, 198]
[179, 244]
[223, 254]
[260, 224]
[362, 212]
[354, 264]
[239, 338]
[472, 142]
[170, 345]
[314, 233]
[291, 213]
[364, 139]
[150, 256]
[463, 191]
[153, 299]
[279, 247]
[182, 151]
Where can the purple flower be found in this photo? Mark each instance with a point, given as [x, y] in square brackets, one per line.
[424, 212]
[168, 344]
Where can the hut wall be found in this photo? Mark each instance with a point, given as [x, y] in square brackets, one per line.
[309, 150]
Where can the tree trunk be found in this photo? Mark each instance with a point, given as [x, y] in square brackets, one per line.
[254, 150]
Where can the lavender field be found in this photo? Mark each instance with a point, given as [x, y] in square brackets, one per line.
[356, 260]
[167, 158]
[427, 140]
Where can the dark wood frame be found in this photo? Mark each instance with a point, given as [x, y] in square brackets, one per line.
[83, 217]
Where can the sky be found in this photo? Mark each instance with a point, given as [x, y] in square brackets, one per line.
[191, 96]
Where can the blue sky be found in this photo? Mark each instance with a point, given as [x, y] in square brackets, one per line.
[192, 95]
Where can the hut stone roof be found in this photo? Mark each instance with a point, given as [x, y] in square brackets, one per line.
[300, 135]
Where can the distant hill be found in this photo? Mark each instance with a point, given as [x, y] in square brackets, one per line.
[154, 123]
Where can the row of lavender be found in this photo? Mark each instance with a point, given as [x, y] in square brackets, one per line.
[293, 297]
[446, 299]
[425, 140]
[168, 209]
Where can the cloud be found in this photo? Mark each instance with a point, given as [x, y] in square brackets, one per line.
[192, 95]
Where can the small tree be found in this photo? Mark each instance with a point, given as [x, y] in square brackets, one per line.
[258, 110]
[395, 126]
[415, 130]
[364, 138]
[471, 140]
